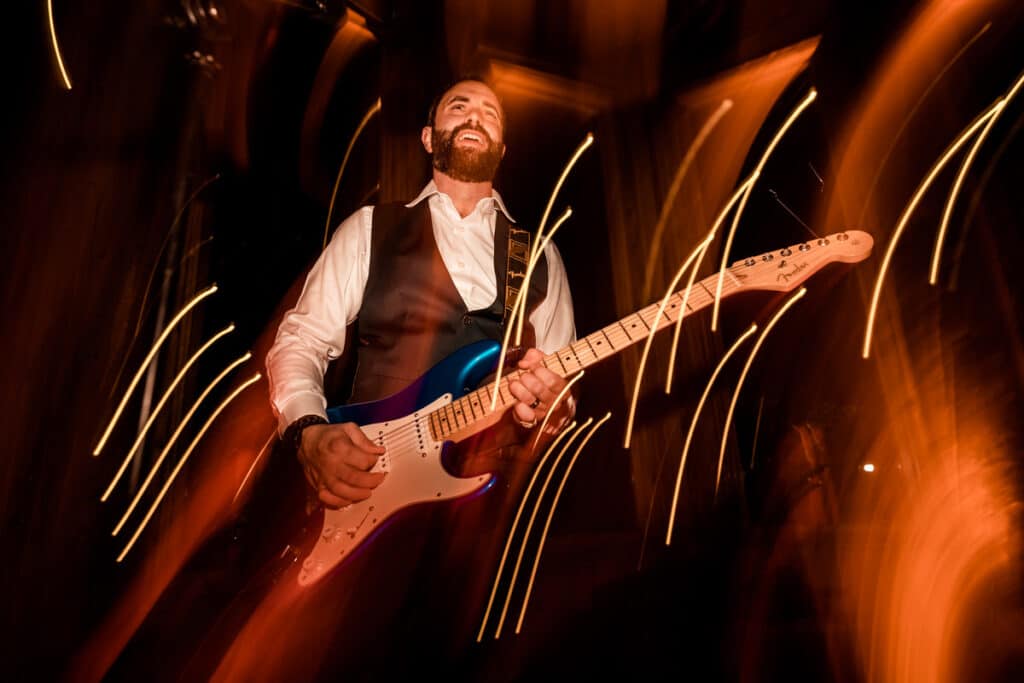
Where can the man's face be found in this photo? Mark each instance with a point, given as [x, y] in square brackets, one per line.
[466, 141]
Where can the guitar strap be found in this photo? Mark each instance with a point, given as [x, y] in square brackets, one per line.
[518, 260]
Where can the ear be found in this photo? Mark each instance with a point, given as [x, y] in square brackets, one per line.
[503, 148]
[427, 138]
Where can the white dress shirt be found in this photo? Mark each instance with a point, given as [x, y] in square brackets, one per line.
[313, 333]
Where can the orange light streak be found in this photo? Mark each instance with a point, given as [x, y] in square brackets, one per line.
[587, 142]
[529, 524]
[743, 375]
[174, 437]
[558, 399]
[806, 102]
[65, 78]
[515, 525]
[266, 444]
[370, 113]
[693, 427]
[677, 183]
[159, 406]
[551, 513]
[999, 106]
[699, 249]
[149, 357]
[519, 307]
[163, 491]
[908, 212]
[679, 321]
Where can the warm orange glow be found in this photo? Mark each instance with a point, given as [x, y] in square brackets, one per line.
[868, 467]
[145, 363]
[964, 167]
[908, 211]
[691, 259]
[65, 78]
[551, 513]
[519, 307]
[673, 190]
[693, 425]
[533, 518]
[743, 375]
[159, 406]
[252, 467]
[174, 437]
[515, 524]
[371, 112]
[170, 480]
[806, 102]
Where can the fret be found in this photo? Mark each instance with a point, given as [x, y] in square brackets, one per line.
[459, 411]
[584, 348]
[472, 401]
[558, 357]
[435, 426]
[575, 355]
[597, 357]
[607, 338]
[639, 315]
[625, 331]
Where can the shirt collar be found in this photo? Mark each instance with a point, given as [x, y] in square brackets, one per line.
[431, 189]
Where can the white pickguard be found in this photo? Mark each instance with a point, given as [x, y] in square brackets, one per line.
[415, 475]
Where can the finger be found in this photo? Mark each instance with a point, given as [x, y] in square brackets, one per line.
[332, 501]
[524, 413]
[360, 478]
[346, 491]
[531, 359]
[553, 381]
[521, 392]
[536, 387]
[360, 440]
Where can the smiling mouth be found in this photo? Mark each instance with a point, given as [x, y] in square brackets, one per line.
[472, 137]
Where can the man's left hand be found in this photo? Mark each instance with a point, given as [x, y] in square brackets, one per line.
[536, 390]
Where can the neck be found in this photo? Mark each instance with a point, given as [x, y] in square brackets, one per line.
[465, 196]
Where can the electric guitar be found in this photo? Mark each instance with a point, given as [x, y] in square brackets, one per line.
[443, 407]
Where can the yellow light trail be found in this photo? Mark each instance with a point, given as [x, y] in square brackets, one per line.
[699, 249]
[908, 212]
[551, 513]
[252, 380]
[519, 307]
[558, 399]
[679, 321]
[159, 406]
[806, 102]
[174, 437]
[344, 162]
[270, 439]
[56, 48]
[743, 375]
[693, 427]
[529, 524]
[999, 106]
[145, 363]
[587, 142]
[673, 190]
[515, 525]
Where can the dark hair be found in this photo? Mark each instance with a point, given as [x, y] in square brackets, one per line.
[432, 112]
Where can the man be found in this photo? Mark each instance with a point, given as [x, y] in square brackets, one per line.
[421, 280]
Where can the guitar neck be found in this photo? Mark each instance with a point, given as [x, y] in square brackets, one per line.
[472, 413]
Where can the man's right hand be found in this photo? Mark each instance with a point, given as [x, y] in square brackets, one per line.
[337, 460]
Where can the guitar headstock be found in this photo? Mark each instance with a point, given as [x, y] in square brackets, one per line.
[784, 269]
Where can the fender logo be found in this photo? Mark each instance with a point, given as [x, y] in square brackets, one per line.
[785, 276]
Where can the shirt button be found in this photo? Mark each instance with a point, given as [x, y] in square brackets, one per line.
[462, 264]
[467, 320]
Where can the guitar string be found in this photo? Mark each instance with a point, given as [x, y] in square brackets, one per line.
[407, 434]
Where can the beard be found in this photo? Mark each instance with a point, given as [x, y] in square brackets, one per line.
[466, 165]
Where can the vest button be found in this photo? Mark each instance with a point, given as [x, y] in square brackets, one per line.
[467, 320]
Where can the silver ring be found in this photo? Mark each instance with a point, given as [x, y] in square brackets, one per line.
[536, 402]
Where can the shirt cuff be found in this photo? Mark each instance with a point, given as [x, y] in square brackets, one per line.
[298, 406]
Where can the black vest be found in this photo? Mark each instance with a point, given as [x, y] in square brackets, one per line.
[412, 316]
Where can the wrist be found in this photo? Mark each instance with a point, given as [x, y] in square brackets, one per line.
[292, 437]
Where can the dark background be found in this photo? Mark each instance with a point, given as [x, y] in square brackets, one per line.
[200, 143]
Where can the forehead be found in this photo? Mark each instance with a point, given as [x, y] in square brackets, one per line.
[473, 91]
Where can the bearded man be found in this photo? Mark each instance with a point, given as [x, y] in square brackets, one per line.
[418, 281]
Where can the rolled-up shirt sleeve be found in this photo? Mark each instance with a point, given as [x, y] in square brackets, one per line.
[313, 333]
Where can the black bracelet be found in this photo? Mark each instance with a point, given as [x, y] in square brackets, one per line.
[292, 436]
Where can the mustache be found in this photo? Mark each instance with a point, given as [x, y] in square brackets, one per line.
[475, 127]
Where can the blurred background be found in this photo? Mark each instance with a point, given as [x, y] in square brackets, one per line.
[866, 521]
